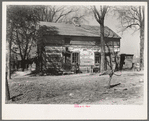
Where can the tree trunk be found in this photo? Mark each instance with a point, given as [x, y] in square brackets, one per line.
[142, 47]
[7, 74]
[9, 51]
[41, 58]
[7, 88]
[102, 66]
[141, 19]
[38, 62]
[23, 64]
[9, 71]
[109, 84]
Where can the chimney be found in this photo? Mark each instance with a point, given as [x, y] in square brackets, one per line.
[75, 21]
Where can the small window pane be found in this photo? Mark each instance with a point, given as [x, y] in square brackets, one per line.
[97, 57]
[75, 57]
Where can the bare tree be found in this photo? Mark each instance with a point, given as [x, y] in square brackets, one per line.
[9, 40]
[133, 17]
[112, 59]
[77, 17]
[23, 19]
[54, 13]
[99, 14]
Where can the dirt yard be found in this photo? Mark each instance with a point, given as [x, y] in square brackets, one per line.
[77, 89]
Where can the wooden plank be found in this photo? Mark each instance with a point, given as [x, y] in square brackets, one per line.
[82, 42]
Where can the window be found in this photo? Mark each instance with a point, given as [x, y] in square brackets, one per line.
[75, 57]
[97, 57]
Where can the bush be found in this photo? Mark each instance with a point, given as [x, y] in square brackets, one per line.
[66, 66]
[53, 71]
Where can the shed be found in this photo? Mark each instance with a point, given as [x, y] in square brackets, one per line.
[126, 61]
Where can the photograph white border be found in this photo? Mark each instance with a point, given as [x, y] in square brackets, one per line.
[50, 111]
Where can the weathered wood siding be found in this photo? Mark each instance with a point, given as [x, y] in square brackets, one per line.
[85, 46]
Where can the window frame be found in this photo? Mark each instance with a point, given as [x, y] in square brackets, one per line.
[75, 57]
[97, 55]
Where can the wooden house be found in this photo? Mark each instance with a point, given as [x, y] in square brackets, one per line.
[79, 44]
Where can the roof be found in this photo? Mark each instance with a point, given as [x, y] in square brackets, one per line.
[83, 30]
[126, 54]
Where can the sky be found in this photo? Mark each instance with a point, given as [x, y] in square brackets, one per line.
[129, 42]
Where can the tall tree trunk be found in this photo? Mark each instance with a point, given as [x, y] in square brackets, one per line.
[41, 58]
[38, 58]
[7, 74]
[7, 88]
[37, 64]
[142, 46]
[102, 66]
[23, 64]
[9, 49]
[141, 11]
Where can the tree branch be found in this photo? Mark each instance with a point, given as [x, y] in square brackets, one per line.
[63, 15]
